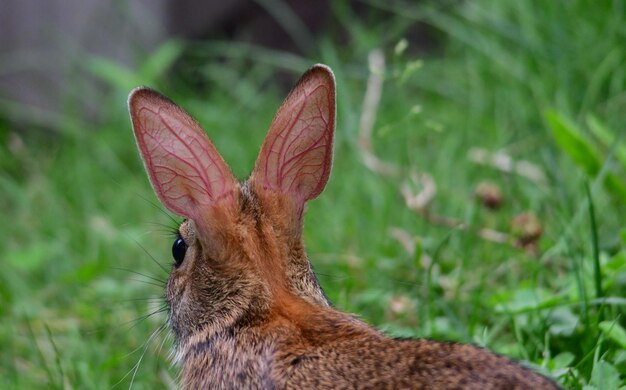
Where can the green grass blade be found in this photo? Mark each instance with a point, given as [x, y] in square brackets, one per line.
[597, 277]
[570, 140]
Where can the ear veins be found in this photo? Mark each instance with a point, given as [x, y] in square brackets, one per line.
[173, 154]
[297, 153]
[296, 157]
[177, 151]
[185, 170]
[290, 163]
[322, 142]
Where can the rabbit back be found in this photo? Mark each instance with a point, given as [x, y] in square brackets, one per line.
[335, 350]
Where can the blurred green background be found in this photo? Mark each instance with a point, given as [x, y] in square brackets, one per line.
[509, 113]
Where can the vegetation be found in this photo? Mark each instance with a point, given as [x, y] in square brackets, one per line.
[539, 84]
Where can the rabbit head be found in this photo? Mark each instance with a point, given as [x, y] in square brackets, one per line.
[239, 254]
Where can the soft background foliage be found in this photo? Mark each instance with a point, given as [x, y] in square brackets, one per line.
[539, 82]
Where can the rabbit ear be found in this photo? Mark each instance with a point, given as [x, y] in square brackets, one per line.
[296, 155]
[186, 171]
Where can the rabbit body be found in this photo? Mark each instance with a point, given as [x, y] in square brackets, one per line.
[245, 306]
[245, 358]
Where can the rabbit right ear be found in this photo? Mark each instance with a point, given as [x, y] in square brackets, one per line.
[296, 156]
[186, 171]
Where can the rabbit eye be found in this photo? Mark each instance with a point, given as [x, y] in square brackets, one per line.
[178, 250]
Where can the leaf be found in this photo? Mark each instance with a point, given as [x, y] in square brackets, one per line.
[571, 140]
[615, 185]
[524, 300]
[615, 264]
[604, 376]
[31, 257]
[563, 322]
[161, 60]
[563, 360]
[607, 138]
[614, 331]
[112, 73]
[581, 150]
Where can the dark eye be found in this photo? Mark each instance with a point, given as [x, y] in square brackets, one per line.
[178, 250]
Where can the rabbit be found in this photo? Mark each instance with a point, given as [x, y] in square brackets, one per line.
[246, 309]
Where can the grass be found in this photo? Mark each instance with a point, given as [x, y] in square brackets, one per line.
[541, 82]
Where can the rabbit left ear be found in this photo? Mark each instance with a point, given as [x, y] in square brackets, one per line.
[186, 171]
[296, 155]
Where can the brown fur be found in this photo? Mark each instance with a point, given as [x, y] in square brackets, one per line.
[245, 306]
[260, 319]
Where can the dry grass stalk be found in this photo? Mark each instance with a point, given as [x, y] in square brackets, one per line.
[420, 201]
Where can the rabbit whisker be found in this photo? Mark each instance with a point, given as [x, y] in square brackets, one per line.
[145, 346]
[136, 321]
[158, 207]
[148, 342]
[145, 299]
[152, 258]
[141, 274]
[166, 338]
[165, 228]
[161, 285]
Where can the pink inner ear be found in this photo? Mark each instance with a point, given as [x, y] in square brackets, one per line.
[296, 155]
[185, 169]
